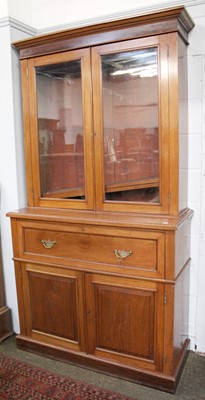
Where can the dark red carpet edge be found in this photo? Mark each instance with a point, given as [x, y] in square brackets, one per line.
[22, 381]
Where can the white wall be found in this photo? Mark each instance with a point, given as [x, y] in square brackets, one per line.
[55, 14]
[22, 10]
[3, 8]
[47, 15]
[196, 71]
[12, 169]
[8, 178]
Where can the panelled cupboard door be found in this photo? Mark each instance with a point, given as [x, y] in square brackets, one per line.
[130, 95]
[54, 305]
[57, 102]
[125, 320]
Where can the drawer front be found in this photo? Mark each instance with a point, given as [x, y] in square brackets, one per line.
[119, 248]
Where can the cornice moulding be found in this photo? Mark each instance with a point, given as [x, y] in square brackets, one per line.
[16, 24]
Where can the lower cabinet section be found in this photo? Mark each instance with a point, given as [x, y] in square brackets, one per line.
[113, 318]
[126, 317]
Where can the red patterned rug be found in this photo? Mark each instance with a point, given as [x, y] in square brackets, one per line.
[22, 381]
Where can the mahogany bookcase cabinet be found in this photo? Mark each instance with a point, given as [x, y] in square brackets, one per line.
[102, 250]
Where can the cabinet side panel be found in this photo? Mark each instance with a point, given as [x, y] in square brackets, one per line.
[26, 124]
[183, 125]
[182, 246]
[168, 330]
[20, 298]
[173, 122]
[181, 313]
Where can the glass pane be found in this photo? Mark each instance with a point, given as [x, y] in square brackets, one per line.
[60, 130]
[130, 125]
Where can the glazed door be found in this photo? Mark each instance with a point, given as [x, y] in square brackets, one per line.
[57, 96]
[130, 84]
[53, 304]
[99, 127]
[125, 320]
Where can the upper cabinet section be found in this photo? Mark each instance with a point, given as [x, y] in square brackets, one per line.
[101, 114]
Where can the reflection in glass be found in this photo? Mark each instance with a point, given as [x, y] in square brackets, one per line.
[130, 125]
[60, 130]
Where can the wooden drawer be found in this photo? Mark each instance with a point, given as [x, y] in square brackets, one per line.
[88, 246]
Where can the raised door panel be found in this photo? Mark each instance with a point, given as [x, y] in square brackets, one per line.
[125, 321]
[54, 305]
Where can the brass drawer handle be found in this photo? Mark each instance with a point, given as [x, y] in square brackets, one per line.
[48, 244]
[122, 254]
